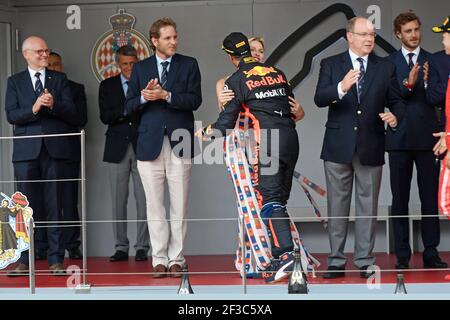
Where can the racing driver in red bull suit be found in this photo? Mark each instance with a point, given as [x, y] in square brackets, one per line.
[263, 91]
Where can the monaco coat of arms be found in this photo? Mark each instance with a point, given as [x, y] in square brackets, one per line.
[122, 33]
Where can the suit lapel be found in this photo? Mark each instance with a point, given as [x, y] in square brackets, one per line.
[120, 89]
[402, 65]
[173, 70]
[370, 75]
[48, 80]
[27, 83]
[346, 66]
[153, 68]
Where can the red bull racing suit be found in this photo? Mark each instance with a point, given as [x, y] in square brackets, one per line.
[263, 91]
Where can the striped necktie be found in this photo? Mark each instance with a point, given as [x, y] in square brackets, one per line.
[361, 76]
[164, 74]
[38, 87]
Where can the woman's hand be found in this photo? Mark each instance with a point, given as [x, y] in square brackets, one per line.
[296, 109]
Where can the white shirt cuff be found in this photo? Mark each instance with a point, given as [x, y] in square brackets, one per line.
[341, 93]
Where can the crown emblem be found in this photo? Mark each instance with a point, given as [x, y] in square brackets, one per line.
[122, 20]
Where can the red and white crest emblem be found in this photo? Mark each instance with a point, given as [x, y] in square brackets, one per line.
[122, 33]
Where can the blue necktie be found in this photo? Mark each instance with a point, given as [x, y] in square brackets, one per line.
[164, 74]
[38, 87]
[361, 76]
[410, 62]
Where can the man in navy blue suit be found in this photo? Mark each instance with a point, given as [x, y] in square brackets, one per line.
[71, 235]
[356, 86]
[165, 89]
[38, 101]
[120, 156]
[412, 143]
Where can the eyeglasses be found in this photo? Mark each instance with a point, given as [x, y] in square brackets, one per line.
[365, 34]
[41, 51]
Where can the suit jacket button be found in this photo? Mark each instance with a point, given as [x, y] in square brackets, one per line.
[355, 128]
[130, 123]
[359, 112]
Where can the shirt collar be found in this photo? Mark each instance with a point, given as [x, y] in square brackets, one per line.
[354, 56]
[406, 51]
[123, 79]
[159, 60]
[33, 72]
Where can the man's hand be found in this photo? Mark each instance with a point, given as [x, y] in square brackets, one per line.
[389, 118]
[441, 146]
[225, 96]
[45, 99]
[296, 109]
[413, 75]
[426, 71]
[156, 93]
[151, 84]
[349, 80]
[48, 99]
[200, 136]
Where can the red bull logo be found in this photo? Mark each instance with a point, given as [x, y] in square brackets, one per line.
[259, 71]
[265, 82]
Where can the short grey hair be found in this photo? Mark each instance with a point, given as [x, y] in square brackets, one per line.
[126, 50]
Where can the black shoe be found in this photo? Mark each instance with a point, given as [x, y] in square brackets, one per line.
[435, 263]
[40, 254]
[75, 254]
[141, 255]
[334, 272]
[402, 263]
[366, 273]
[119, 256]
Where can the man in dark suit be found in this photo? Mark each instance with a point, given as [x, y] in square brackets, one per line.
[38, 101]
[356, 86]
[166, 89]
[71, 235]
[412, 143]
[120, 154]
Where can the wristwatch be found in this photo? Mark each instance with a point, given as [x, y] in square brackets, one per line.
[407, 85]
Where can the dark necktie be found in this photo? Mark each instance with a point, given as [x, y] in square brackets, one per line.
[164, 74]
[38, 87]
[410, 62]
[126, 88]
[362, 73]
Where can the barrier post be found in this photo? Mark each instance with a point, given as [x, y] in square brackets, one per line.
[84, 287]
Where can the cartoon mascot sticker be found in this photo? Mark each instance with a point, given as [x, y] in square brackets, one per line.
[15, 216]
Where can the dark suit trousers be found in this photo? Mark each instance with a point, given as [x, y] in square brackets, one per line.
[44, 199]
[70, 230]
[71, 235]
[401, 170]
